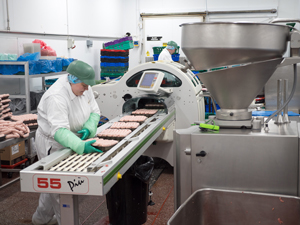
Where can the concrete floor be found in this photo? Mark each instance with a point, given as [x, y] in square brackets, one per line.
[17, 208]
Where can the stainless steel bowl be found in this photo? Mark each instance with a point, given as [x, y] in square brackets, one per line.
[215, 44]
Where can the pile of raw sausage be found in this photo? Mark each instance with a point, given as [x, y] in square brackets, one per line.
[29, 119]
[5, 111]
[100, 142]
[13, 129]
[133, 119]
[147, 112]
[123, 125]
[112, 133]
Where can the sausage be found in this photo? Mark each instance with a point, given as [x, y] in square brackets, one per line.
[8, 131]
[11, 136]
[21, 128]
[16, 134]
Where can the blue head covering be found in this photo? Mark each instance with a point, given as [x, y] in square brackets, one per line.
[73, 80]
[170, 47]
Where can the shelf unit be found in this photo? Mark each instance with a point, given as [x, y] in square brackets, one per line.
[26, 76]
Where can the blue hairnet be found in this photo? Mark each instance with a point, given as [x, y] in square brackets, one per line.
[170, 47]
[73, 80]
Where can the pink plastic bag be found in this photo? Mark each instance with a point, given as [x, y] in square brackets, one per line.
[45, 50]
[41, 42]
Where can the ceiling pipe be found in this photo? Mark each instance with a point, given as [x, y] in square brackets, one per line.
[204, 13]
[58, 35]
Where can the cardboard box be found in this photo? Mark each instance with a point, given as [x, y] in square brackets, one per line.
[12, 152]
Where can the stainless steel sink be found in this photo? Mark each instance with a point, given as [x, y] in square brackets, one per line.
[225, 207]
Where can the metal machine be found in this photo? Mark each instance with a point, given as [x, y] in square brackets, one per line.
[175, 94]
[246, 154]
[186, 94]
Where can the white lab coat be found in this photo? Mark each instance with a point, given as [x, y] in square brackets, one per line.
[165, 55]
[59, 108]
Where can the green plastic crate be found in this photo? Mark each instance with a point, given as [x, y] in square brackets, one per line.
[157, 50]
[112, 74]
[114, 69]
[125, 45]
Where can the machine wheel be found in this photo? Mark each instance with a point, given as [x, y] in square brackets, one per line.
[9, 174]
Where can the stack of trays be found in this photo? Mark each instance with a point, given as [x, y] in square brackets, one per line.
[5, 111]
[114, 63]
[103, 144]
[29, 120]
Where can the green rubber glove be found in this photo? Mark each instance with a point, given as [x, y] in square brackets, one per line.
[88, 148]
[85, 133]
[91, 124]
[69, 140]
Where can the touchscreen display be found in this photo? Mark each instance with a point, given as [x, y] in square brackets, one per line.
[147, 80]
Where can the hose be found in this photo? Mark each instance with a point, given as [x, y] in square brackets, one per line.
[289, 98]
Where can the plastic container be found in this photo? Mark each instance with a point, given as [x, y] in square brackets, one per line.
[155, 57]
[32, 47]
[175, 57]
[127, 200]
[157, 50]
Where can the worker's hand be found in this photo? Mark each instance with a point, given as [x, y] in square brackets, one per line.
[85, 133]
[88, 148]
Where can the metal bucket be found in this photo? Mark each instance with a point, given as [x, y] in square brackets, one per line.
[220, 207]
[214, 44]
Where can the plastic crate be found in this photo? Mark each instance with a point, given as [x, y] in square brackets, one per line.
[114, 69]
[177, 50]
[114, 59]
[50, 81]
[155, 57]
[125, 45]
[157, 50]
[106, 64]
[175, 57]
[112, 52]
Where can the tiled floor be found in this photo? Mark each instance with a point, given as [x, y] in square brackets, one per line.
[16, 208]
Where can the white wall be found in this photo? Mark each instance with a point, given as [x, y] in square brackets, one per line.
[98, 18]
[285, 9]
[112, 19]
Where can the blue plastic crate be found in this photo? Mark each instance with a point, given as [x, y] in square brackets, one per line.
[155, 57]
[175, 57]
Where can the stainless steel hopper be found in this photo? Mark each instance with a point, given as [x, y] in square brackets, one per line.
[235, 88]
[257, 49]
[214, 44]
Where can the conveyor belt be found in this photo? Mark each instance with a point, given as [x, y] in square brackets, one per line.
[95, 172]
[76, 163]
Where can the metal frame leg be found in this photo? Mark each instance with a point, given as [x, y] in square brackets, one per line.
[69, 212]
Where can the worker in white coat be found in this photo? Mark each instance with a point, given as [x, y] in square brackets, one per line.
[166, 53]
[67, 115]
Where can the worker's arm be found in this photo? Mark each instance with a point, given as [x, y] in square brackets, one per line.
[69, 140]
[90, 126]
[57, 116]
